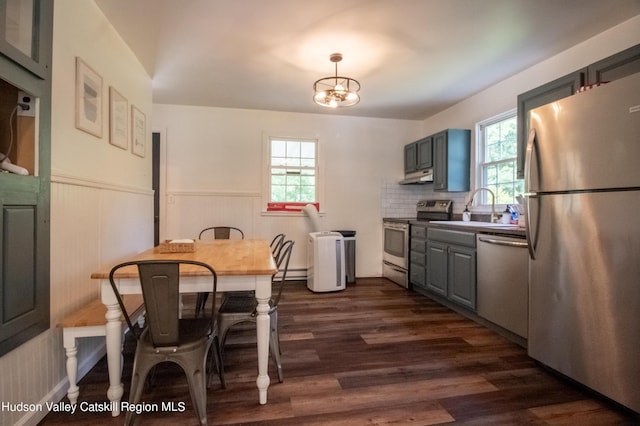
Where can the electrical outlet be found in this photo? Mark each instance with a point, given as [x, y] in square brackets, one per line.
[26, 105]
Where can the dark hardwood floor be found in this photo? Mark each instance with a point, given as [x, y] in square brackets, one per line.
[373, 354]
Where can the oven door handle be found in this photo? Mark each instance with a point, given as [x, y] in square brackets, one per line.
[394, 267]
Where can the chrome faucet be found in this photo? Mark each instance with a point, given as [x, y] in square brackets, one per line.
[494, 216]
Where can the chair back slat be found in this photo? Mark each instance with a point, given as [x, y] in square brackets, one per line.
[160, 282]
[276, 245]
[221, 232]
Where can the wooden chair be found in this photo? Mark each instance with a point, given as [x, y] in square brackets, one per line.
[239, 309]
[166, 336]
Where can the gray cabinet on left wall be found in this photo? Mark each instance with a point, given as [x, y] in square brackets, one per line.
[25, 138]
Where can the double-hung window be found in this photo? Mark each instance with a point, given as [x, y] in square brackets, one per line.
[497, 155]
[293, 170]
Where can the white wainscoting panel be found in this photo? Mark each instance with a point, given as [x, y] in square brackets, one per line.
[90, 222]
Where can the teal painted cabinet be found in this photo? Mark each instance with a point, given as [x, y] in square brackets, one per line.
[452, 160]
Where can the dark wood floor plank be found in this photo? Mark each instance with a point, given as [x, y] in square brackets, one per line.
[373, 354]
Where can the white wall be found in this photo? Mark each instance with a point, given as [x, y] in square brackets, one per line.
[101, 203]
[214, 173]
[214, 170]
[502, 96]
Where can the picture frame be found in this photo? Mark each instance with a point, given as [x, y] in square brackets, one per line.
[88, 99]
[138, 132]
[118, 119]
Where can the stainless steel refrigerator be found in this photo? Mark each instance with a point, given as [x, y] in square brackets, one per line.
[582, 177]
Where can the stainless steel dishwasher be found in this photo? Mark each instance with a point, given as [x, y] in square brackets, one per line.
[503, 281]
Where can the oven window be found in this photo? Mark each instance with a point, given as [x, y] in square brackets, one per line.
[394, 242]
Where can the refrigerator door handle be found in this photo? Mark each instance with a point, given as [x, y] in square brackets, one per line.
[529, 231]
[528, 165]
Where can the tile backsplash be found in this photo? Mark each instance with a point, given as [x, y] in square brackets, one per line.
[400, 200]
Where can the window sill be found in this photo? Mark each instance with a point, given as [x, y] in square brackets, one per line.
[286, 213]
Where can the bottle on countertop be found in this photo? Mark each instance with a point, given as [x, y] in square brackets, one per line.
[466, 215]
[506, 216]
[515, 216]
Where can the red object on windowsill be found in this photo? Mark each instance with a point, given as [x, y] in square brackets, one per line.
[289, 207]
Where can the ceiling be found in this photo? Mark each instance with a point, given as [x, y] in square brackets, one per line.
[413, 58]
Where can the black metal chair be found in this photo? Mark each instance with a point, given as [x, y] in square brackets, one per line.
[239, 309]
[167, 337]
[215, 233]
[276, 245]
[220, 233]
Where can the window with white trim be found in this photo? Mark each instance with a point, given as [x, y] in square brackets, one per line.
[293, 170]
[497, 156]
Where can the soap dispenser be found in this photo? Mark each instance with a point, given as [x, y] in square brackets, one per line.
[466, 214]
[506, 216]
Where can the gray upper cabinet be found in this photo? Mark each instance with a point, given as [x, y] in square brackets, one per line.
[425, 153]
[410, 158]
[611, 68]
[418, 155]
[452, 156]
[550, 92]
[616, 66]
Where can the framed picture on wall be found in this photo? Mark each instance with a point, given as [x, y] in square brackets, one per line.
[138, 131]
[118, 119]
[88, 99]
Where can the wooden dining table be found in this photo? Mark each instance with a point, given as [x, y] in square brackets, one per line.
[239, 264]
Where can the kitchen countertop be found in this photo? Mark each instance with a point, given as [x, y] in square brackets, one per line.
[480, 227]
[457, 225]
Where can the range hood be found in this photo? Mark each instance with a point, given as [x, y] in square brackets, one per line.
[419, 177]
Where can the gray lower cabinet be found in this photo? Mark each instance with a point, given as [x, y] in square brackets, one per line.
[418, 256]
[451, 266]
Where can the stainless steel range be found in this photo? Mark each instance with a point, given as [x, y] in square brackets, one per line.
[395, 255]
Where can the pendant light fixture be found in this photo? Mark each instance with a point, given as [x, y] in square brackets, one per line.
[334, 92]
